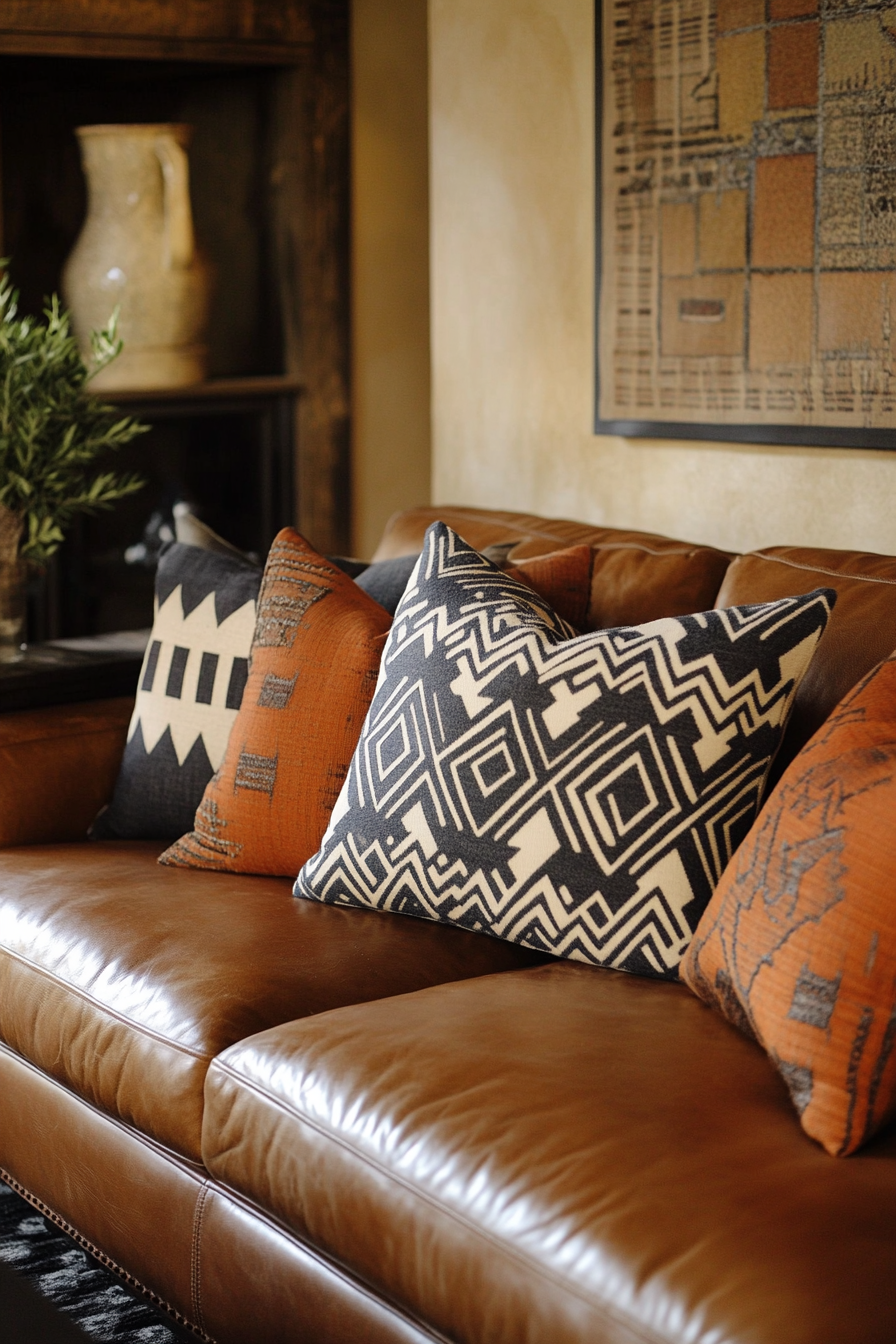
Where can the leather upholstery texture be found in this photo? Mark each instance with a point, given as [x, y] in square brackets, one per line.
[234, 1276]
[122, 979]
[297, 1295]
[860, 633]
[557, 1155]
[635, 576]
[58, 767]
[127, 1197]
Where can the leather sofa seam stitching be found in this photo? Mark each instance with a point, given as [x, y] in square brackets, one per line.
[195, 1254]
[649, 1337]
[534, 532]
[104, 1008]
[819, 569]
[647, 550]
[103, 1258]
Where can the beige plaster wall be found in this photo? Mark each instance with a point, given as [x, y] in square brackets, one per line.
[512, 189]
[390, 263]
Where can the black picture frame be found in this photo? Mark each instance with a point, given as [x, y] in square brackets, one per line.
[880, 440]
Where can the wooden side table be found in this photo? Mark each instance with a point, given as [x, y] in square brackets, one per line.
[70, 671]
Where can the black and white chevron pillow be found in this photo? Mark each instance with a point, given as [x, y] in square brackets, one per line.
[191, 686]
[580, 795]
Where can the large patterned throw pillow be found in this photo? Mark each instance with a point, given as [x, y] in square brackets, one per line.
[315, 659]
[190, 689]
[580, 795]
[798, 945]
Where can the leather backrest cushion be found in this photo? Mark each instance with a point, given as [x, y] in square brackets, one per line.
[404, 532]
[636, 576]
[636, 581]
[562, 577]
[860, 633]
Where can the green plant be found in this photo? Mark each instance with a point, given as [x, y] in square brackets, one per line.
[52, 429]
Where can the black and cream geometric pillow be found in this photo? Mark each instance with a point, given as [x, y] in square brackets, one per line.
[578, 795]
[190, 688]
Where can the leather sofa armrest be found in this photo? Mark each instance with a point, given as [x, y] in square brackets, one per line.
[58, 767]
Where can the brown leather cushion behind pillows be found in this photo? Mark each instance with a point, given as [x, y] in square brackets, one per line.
[798, 944]
[562, 579]
[314, 664]
[636, 576]
[860, 633]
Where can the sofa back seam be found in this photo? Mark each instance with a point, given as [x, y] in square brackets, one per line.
[816, 569]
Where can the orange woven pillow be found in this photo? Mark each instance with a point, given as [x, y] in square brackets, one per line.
[798, 944]
[314, 663]
[313, 671]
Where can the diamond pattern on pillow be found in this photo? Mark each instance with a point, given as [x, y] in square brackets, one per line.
[580, 795]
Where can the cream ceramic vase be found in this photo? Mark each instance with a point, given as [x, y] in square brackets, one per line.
[137, 252]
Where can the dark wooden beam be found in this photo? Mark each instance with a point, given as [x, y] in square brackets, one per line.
[239, 31]
[310, 177]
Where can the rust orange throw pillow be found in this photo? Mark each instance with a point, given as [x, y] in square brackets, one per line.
[314, 664]
[798, 944]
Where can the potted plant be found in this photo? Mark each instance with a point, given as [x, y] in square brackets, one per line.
[52, 431]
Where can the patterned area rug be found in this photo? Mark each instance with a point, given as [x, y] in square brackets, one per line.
[74, 1281]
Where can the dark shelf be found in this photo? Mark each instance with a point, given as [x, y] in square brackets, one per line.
[56, 674]
[214, 391]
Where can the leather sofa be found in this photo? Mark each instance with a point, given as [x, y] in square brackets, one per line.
[294, 1122]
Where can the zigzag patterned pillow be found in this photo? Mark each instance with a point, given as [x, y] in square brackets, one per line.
[580, 795]
[190, 689]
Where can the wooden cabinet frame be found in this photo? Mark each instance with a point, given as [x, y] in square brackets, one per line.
[306, 44]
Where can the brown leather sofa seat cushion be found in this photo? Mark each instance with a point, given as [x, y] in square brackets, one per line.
[559, 1155]
[860, 633]
[122, 979]
[636, 576]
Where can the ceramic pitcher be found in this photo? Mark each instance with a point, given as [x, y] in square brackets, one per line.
[136, 251]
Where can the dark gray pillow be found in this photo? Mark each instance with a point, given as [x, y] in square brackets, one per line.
[190, 689]
[386, 580]
[348, 564]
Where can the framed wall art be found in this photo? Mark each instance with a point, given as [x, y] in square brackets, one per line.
[746, 220]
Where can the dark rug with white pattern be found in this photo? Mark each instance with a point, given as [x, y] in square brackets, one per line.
[74, 1281]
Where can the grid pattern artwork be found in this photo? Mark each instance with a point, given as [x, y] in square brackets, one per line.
[748, 216]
